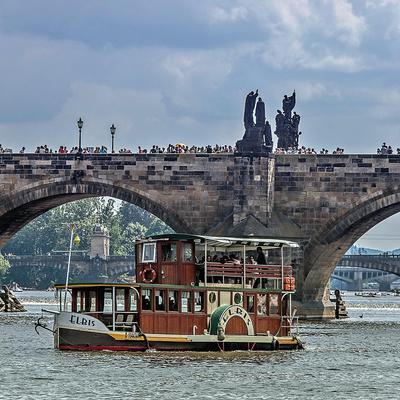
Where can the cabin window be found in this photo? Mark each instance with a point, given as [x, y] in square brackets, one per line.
[146, 299]
[84, 308]
[262, 304]
[173, 300]
[198, 301]
[78, 301]
[92, 306]
[120, 299]
[160, 300]
[138, 253]
[250, 303]
[132, 300]
[187, 253]
[168, 252]
[237, 298]
[107, 308]
[212, 297]
[186, 304]
[149, 252]
[273, 303]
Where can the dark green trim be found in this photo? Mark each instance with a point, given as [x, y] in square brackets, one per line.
[178, 287]
[215, 317]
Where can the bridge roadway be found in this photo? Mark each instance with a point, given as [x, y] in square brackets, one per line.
[326, 202]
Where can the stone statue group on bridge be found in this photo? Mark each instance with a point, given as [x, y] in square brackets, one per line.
[258, 134]
[287, 125]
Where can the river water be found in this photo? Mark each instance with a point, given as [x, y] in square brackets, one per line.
[357, 358]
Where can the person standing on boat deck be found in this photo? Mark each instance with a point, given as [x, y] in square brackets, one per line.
[261, 260]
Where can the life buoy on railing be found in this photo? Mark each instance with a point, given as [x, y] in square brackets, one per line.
[289, 283]
[148, 274]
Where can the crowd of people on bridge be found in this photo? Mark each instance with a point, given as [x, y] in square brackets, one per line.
[308, 150]
[180, 148]
[386, 149]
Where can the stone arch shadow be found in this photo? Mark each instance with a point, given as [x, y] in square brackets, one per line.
[25, 204]
[329, 244]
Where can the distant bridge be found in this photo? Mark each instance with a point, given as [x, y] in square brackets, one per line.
[382, 262]
[112, 266]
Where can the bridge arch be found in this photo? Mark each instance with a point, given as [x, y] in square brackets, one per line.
[330, 243]
[19, 207]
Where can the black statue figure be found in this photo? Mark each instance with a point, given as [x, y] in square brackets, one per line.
[249, 109]
[279, 120]
[287, 127]
[257, 138]
[288, 104]
[268, 136]
[260, 112]
[296, 121]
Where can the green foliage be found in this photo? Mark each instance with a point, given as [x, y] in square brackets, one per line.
[4, 267]
[51, 231]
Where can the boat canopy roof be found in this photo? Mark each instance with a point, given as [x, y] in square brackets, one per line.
[73, 285]
[221, 242]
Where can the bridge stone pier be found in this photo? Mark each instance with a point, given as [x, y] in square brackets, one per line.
[326, 202]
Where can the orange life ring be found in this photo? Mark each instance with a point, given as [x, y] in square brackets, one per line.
[148, 274]
[289, 283]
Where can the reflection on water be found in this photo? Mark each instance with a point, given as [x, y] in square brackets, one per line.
[355, 358]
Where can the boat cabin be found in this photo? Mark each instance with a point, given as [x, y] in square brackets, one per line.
[183, 282]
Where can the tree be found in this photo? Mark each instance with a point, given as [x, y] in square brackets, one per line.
[4, 267]
[51, 231]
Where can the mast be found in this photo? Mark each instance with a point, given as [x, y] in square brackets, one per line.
[68, 268]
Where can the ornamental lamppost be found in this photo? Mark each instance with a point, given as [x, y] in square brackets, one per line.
[112, 130]
[80, 124]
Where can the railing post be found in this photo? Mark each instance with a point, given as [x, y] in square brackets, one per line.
[244, 266]
[282, 268]
[205, 263]
[113, 308]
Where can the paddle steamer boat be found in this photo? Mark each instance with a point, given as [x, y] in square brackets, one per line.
[192, 292]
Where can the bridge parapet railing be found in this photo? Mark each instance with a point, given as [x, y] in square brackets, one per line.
[350, 256]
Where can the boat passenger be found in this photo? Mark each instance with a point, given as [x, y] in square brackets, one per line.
[233, 258]
[261, 260]
[252, 260]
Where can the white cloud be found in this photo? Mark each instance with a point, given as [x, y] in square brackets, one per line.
[187, 67]
[233, 14]
[286, 53]
[350, 27]
[382, 3]
[310, 91]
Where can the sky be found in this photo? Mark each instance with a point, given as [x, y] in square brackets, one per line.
[179, 70]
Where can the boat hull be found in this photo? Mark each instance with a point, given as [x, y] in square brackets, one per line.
[70, 339]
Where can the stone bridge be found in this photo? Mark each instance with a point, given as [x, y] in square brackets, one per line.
[387, 263]
[112, 266]
[326, 202]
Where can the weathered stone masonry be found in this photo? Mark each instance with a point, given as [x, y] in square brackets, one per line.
[334, 199]
[190, 192]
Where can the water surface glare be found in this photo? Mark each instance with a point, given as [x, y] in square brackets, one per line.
[357, 358]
